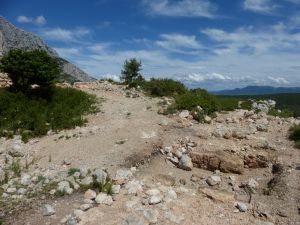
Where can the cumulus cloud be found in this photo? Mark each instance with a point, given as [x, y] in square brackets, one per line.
[260, 6]
[207, 77]
[39, 20]
[278, 80]
[181, 8]
[178, 42]
[60, 34]
[250, 40]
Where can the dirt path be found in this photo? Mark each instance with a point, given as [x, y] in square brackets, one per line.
[133, 121]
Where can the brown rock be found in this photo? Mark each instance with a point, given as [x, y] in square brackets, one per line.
[218, 195]
[222, 161]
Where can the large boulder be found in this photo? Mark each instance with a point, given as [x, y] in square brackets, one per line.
[223, 161]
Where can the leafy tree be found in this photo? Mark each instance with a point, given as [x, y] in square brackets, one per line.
[26, 68]
[131, 71]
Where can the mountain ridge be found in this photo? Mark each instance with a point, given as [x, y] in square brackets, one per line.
[12, 37]
[258, 90]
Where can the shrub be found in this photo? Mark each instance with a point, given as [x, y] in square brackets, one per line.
[26, 68]
[131, 70]
[227, 103]
[285, 113]
[72, 171]
[34, 116]
[197, 97]
[163, 87]
[294, 134]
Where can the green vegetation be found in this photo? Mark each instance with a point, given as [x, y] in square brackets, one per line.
[131, 71]
[71, 171]
[162, 87]
[33, 116]
[26, 68]
[294, 134]
[194, 98]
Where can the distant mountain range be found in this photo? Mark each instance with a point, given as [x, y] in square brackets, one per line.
[258, 90]
[15, 38]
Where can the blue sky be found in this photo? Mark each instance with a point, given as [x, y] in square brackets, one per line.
[214, 44]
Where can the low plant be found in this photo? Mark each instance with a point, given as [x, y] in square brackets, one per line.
[16, 168]
[294, 134]
[195, 98]
[72, 171]
[163, 87]
[32, 116]
[285, 113]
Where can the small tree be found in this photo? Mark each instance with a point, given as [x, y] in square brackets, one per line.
[26, 68]
[131, 70]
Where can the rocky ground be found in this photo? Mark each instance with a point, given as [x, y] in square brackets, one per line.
[237, 168]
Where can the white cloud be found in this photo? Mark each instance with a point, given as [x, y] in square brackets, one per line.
[178, 42]
[24, 19]
[248, 40]
[59, 34]
[260, 6]
[200, 78]
[278, 80]
[181, 8]
[39, 20]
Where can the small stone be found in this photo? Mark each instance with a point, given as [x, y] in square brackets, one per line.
[16, 151]
[103, 198]
[22, 191]
[153, 191]
[66, 162]
[184, 114]
[25, 179]
[116, 189]
[11, 190]
[213, 180]
[207, 119]
[48, 210]
[86, 207]
[185, 163]
[182, 181]
[151, 215]
[133, 220]
[242, 207]
[87, 181]
[258, 222]
[155, 199]
[122, 141]
[252, 183]
[134, 187]
[170, 195]
[63, 186]
[90, 194]
[122, 176]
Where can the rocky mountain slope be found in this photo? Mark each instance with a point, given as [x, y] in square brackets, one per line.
[12, 37]
[237, 169]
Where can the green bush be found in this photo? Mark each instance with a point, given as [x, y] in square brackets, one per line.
[163, 87]
[294, 134]
[227, 103]
[197, 97]
[26, 68]
[285, 113]
[32, 116]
